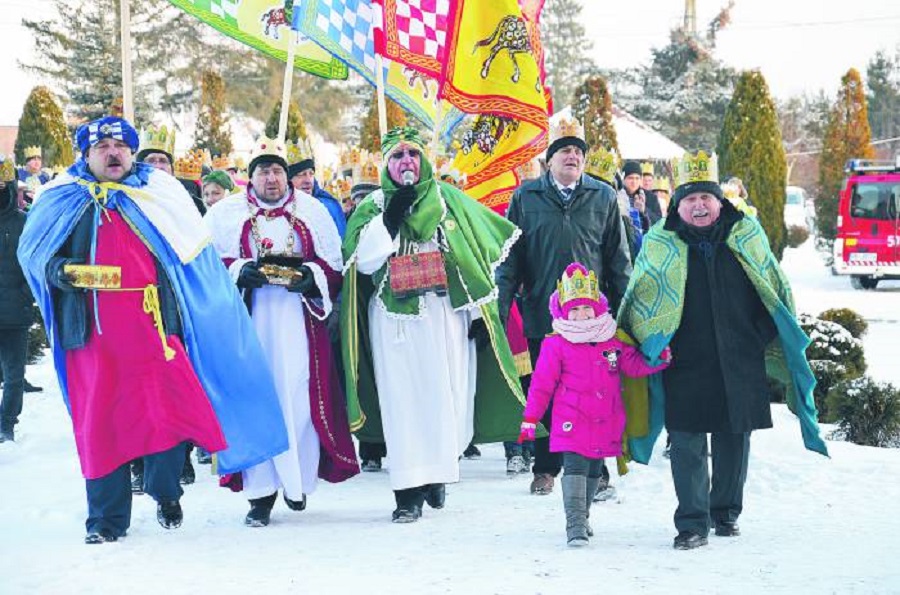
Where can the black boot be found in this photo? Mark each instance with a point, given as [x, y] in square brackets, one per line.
[203, 456]
[260, 511]
[137, 476]
[101, 536]
[30, 388]
[409, 505]
[169, 514]
[435, 495]
[7, 435]
[687, 540]
[472, 452]
[296, 505]
[187, 472]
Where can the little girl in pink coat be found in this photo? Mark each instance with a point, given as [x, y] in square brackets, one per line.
[578, 371]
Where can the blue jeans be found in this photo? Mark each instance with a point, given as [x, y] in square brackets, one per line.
[13, 347]
[109, 497]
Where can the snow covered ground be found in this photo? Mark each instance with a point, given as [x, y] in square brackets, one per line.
[810, 525]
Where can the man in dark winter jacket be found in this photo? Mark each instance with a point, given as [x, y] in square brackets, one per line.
[16, 313]
[644, 201]
[565, 217]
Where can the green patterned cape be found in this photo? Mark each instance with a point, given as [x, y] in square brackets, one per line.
[652, 307]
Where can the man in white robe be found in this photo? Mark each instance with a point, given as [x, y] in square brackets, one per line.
[271, 220]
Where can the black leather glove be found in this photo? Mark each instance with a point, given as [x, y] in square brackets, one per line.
[306, 284]
[479, 333]
[251, 277]
[58, 277]
[397, 208]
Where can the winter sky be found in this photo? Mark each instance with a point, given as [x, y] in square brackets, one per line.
[800, 45]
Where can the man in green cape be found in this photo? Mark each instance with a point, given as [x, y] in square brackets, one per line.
[428, 368]
[707, 284]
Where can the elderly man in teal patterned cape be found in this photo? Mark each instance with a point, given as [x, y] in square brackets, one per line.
[707, 284]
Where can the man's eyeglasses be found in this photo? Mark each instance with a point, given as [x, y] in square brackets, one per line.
[411, 153]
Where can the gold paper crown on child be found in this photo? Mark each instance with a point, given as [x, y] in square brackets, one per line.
[7, 169]
[299, 150]
[566, 127]
[699, 168]
[602, 163]
[529, 170]
[646, 169]
[31, 152]
[190, 165]
[662, 183]
[223, 162]
[576, 286]
[369, 171]
[158, 139]
[342, 187]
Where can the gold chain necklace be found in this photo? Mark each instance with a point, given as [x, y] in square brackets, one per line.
[261, 248]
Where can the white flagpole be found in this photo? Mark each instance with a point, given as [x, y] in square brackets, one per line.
[438, 120]
[379, 88]
[288, 83]
[127, 89]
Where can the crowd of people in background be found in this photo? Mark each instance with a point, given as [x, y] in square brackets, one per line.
[266, 316]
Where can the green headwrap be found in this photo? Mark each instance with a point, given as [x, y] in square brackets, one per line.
[219, 177]
[395, 136]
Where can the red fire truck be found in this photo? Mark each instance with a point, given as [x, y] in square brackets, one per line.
[868, 223]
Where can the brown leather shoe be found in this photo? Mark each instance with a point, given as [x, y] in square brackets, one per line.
[542, 484]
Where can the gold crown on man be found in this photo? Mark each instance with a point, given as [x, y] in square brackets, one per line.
[662, 183]
[369, 171]
[7, 169]
[32, 152]
[223, 162]
[602, 163]
[695, 168]
[299, 151]
[646, 168]
[576, 286]
[158, 139]
[529, 170]
[565, 127]
[268, 146]
[190, 165]
[351, 158]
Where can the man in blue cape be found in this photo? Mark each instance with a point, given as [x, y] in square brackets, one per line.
[152, 344]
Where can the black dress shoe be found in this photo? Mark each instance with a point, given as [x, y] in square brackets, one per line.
[727, 529]
[407, 514]
[203, 457]
[7, 435]
[187, 473]
[30, 388]
[297, 505]
[371, 465]
[101, 536]
[687, 540]
[436, 495]
[169, 514]
[472, 452]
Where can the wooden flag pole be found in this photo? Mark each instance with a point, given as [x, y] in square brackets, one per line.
[286, 86]
[125, 39]
[379, 89]
[438, 120]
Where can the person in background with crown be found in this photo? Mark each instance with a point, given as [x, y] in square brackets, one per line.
[733, 310]
[564, 216]
[419, 325]
[288, 306]
[645, 202]
[579, 372]
[157, 149]
[16, 304]
[302, 175]
[603, 166]
[31, 177]
[145, 327]
[663, 191]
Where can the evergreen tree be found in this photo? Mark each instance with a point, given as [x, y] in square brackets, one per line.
[883, 82]
[212, 132]
[592, 105]
[750, 148]
[847, 136]
[42, 125]
[566, 48]
[370, 136]
[296, 127]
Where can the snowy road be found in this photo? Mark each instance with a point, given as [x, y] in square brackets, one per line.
[810, 525]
